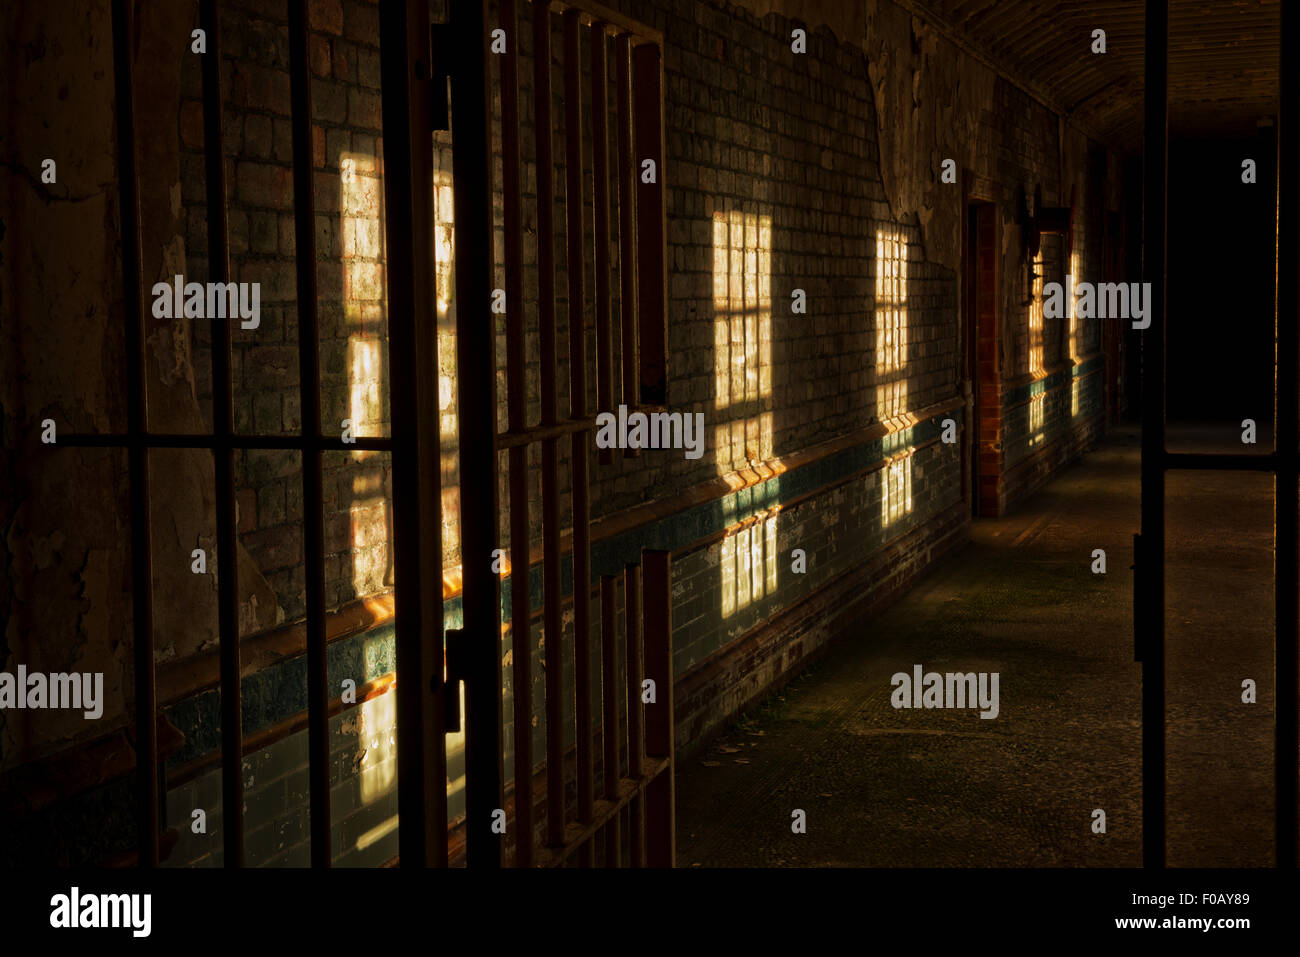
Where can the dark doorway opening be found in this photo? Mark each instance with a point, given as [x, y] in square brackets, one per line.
[982, 450]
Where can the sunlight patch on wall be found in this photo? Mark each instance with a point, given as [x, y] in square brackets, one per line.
[377, 739]
[1071, 309]
[742, 302]
[363, 291]
[1037, 406]
[896, 489]
[1036, 364]
[748, 565]
[444, 252]
[891, 325]
[364, 304]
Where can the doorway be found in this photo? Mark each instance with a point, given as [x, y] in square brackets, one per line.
[982, 451]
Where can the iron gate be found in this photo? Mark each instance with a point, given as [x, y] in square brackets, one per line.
[636, 766]
[1284, 461]
[636, 760]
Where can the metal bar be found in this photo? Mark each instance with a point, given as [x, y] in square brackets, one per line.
[521, 645]
[635, 741]
[304, 221]
[590, 12]
[609, 728]
[162, 440]
[661, 825]
[146, 706]
[580, 502]
[577, 836]
[552, 629]
[651, 220]
[627, 217]
[526, 436]
[477, 410]
[404, 43]
[223, 417]
[1287, 653]
[600, 186]
[1228, 462]
[1150, 581]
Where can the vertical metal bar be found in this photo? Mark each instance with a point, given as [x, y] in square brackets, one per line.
[1150, 583]
[635, 741]
[1287, 654]
[146, 707]
[600, 185]
[651, 219]
[573, 168]
[417, 498]
[661, 824]
[477, 411]
[521, 645]
[552, 627]
[610, 725]
[223, 455]
[304, 221]
[627, 217]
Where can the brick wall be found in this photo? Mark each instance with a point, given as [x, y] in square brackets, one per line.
[277, 827]
[346, 159]
[775, 182]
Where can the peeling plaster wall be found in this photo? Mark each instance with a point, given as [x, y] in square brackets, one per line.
[933, 102]
[66, 511]
[182, 486]
[64, 607]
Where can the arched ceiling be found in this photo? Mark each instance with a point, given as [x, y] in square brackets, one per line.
[1223, 58]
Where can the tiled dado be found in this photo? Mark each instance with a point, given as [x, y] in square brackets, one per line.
[278, 691]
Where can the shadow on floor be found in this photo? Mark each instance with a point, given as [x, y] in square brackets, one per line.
[881, 786]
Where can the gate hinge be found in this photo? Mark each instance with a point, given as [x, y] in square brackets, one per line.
[440, 72]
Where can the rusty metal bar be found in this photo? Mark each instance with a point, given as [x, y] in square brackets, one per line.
[304, 215]
[1287, 652]
[660, 798]
[146, 704]
[581, 510]
[652, 225]
[521, 646]
[627, 216]
[552, 627]
[600, 185]
[407, 103]
[577, 836]
[477, 411]
[1220, 461]
[526, 436]
[1149, 580]
[223, 419]
[588, 11]
[192, 440]
[610, 724]
[635, 740]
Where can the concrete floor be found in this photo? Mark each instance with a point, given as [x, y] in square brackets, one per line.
[886, 787]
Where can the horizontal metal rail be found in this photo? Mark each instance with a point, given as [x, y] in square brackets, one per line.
[277, 443]
[1221, 461]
